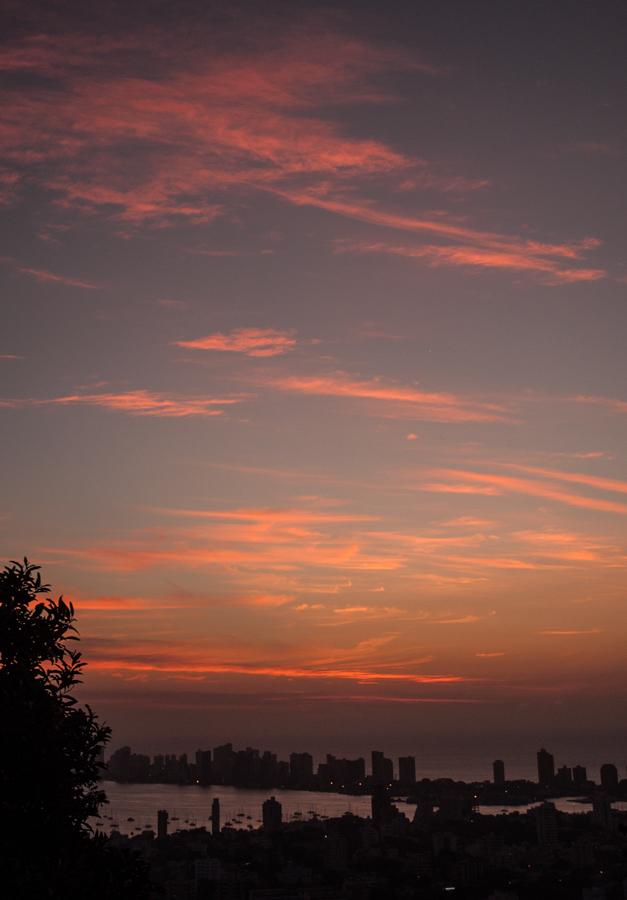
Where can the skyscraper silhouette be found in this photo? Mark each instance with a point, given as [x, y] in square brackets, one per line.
[382, 768]
[162, 823]
[609, 777]
[546, 768]
[407, 770]
[215, 817]
[272, 815]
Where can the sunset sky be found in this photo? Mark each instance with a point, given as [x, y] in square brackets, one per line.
[313, 364]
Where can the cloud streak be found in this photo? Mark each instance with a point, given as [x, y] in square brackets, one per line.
[495, 483]
[392, 399]
[258, 342]
[138, 403]
[500, 254]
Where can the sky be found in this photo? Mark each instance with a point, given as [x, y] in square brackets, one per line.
[312, 365]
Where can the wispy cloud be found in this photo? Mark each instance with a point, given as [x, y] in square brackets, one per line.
[619, 406]
[500, 253]
[122, 662]
[569, 632]
[249, 341]
[269, 515]
[495, 483]
[138, 403]
[46, 277]
[220, 124]
[394, 400]
[594, 481]
[251, 118]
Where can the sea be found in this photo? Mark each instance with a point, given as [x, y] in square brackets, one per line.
[132, 808]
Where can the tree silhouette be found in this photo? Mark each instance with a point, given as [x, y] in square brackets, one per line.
[50, 751]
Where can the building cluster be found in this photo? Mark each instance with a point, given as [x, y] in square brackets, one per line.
[447, 849]
[566, 777]
[251, 768]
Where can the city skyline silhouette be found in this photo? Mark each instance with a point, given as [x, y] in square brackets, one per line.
[312, 368]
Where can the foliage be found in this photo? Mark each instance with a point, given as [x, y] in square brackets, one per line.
[50, 751]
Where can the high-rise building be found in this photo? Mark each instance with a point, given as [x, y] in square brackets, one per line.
[215, 817]
[546, 768]
[407, 769]
[602, 810]
[609, 777]
[119, 767]
[162, 823]
[272, 815]
[546, 824]
[580, 775]
[301, 768]
[268, 768]
[564, 777]
[498, 771]
[223, 763]
[382, 768]
[203, 766]
[381, 805]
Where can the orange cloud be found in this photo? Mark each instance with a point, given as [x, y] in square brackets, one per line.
[121, 604]
[568, 632]
[121, 663]
[53, 278]
[573, 547]
[269, 515]
[510, 484]
[249, 118]
[46, 277]
[619, 406]
[595, 481]
[514, 256]
[249, 341]
[242, 121]
[460, 620]
[408, 401]
[452, 488]
[263, 546]
[140, 403]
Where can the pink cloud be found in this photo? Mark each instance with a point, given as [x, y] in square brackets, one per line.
[509, 484]
[499, 253]
[222, 121]
[139, 403]
[269, 515]
[569, 632]
[619, 406]
[46, 277]
[222, 124]
[401, 400]
[595, 481]
[249, 341]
